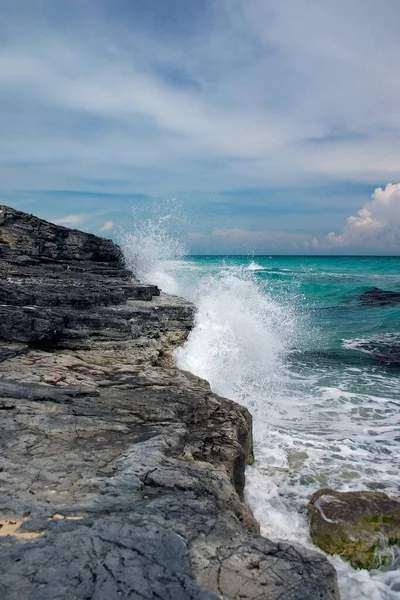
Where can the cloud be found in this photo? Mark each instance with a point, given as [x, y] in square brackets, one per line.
[376, 225]
[71, 220]
[172, 102]
[108, 225]
[374, 229]
[251, 93]
[194, 237]
[261, 241]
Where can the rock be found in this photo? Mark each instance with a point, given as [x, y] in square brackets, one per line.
[377, 297]
[8, 350]
[390, 357]
[120, 475]
[355, 525]
[26, 237]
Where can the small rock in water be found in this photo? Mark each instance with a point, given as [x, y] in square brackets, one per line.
[376, 296]
[355, 525]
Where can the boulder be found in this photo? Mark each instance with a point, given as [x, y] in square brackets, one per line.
[358, 526]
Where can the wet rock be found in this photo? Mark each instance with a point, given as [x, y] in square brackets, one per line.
[121, 476]
[390, 357]
[358, 526]
[377, 297]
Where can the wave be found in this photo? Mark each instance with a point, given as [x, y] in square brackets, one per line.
[239, 338]
[253, 266]
[384, 348]
[385, 340]
[314, 424]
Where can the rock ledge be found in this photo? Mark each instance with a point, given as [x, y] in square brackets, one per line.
[120, 475]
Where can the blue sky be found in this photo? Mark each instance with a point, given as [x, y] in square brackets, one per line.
[274, 126]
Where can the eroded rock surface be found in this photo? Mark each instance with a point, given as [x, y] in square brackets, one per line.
[358, 526]
[120, 475]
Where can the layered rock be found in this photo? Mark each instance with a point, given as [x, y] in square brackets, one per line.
[120, 475]
[358, 526]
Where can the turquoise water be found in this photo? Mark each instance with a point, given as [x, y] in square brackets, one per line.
[330, 284]
[290, 338]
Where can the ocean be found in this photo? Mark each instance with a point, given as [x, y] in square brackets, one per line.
[289, 337]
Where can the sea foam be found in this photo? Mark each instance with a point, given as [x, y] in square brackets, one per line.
[313, 427]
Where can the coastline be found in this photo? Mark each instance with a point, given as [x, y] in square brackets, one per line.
[125, 474]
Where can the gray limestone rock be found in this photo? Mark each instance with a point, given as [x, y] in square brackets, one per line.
[120, 475]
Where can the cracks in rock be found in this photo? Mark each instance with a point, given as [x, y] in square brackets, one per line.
[77, 447]
[144, 478]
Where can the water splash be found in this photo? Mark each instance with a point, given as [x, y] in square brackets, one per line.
[240, 344]
[151, 251]
[310, 429]
[233, 318]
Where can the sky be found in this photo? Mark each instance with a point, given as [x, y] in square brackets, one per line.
[263, 126]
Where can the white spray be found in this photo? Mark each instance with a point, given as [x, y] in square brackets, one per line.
[239, 343]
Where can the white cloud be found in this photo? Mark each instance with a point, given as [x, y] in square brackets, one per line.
[277, 92]
[254, 94]
[261, 240]
[375, 228]
[70, 220]
[194, 237]
[108, 225]
[376, 225]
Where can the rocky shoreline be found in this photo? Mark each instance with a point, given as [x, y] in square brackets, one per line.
[121, 475]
